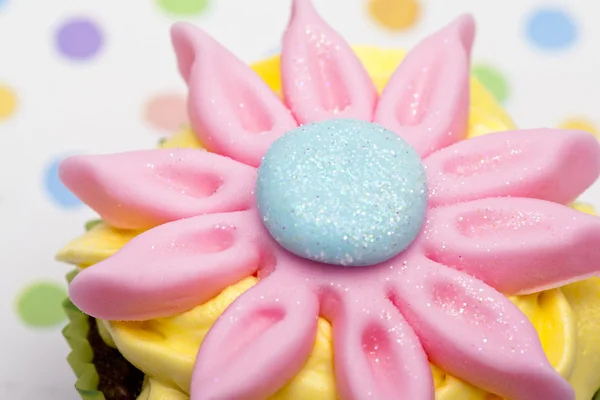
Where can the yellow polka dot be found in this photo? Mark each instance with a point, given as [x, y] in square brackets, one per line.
[395, 14]
[581, 124]
[8, 102]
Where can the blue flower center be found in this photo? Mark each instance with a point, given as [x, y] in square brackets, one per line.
[343, 192]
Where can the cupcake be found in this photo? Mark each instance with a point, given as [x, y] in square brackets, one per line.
[338, 223]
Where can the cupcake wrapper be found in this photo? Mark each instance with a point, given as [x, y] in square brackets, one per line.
[80, 357]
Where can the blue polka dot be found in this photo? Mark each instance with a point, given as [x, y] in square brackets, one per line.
[55, 188]
[552, 29]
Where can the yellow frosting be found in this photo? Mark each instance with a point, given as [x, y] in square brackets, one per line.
[99, 243]
[566, 319]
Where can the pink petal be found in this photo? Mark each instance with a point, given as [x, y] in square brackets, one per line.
[171, 268]
[426, 101]
[322, 77]
[515, 245]
[232, 110]
[475, 333]
[547, 164]
[259, 344]
[142, 189]
[377, 355]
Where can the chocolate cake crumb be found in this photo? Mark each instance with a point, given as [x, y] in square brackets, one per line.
[119, 379]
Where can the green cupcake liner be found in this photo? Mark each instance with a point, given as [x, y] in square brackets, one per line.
[81, 355]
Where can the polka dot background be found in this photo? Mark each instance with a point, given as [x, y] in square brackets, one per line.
[166, 112]
[395, 15]
[183, 7]
[82, 77]
[79, 39]
[8, 102]
[551, 28]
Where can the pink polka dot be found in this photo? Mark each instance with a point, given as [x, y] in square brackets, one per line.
[166, 112]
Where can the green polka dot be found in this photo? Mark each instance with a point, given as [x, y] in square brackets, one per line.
[184, 7]
[493, 80]
[40, 304]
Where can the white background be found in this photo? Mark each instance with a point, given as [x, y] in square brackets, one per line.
[66, 107]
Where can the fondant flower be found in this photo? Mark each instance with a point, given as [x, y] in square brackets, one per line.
[410, 262]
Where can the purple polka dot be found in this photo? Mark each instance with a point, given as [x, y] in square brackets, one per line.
[79, 39]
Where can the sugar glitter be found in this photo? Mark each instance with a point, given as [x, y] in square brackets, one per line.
[344, 192]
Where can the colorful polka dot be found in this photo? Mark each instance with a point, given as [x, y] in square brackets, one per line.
[8, 102]
[581, 124]
[493, 80]
[395, 15]
[56, 190]
[79, 39]
[551, 29]
[184, 7]
[40, 304]
[166, 112]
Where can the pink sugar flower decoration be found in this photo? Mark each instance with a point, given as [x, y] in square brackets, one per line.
[497, 225]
